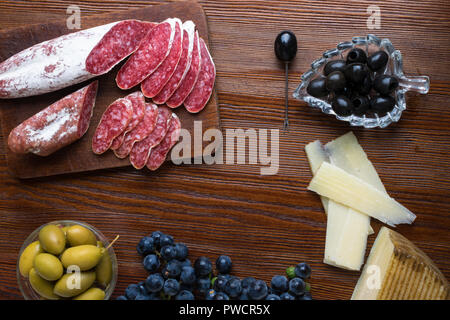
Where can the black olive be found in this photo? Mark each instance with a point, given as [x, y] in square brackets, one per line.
[360, 105]
[334, 65]
[382, 104]
[377, 60]
[335, 81]
[364, 87]
[356, 72]
[348, 91]
[285, 46]
[356, 55]
[317, 88]
[342, 106]
[385, 84]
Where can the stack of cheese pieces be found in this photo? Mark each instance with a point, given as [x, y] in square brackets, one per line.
[351, 192]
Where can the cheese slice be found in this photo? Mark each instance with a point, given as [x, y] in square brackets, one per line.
[397, 270]
[347, 143]
[316, 155]
[348, 155]
[346, 240]
[347, 230]
[347, 189]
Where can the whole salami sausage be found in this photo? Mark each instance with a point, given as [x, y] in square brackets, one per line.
[183, 65]
[114, 121]
[141, 150]
[153, 84]
[61, 62]
[140, 132]
[138, 102]
[190, 79]
[159, 153]
[57, 126]
[199, 96]
[152, 51]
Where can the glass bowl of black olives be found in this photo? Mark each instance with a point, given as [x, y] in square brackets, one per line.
[361, 82]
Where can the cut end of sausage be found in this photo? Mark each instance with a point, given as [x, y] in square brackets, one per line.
[87, 109]
[118, 43]
[56, 126]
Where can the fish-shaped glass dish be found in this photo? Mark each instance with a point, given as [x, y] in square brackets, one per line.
[394, 67]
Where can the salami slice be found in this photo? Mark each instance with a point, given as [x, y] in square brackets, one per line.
[138, 102]
[118, 43]
[61, 62]
[114, 121]
[152, 51]
[199, 96]
[159, 153]
[153, 84]
[182, 67]
[190, 79]
[57, 126]
[141, 150]
[140, 132]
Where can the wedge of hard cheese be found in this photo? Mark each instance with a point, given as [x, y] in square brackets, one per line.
[397, 270]
[347, 189]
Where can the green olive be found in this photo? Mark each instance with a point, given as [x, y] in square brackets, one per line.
[78, 235]
[52, 239]
[85, 256]
[27, 257]
[64, 230]
[104, 269]
[73, 284]
[100, 244]
[43, 287]
[91, 294]
[48, 266]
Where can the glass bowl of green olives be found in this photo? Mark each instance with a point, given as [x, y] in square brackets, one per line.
[360, 81]
[66, 260]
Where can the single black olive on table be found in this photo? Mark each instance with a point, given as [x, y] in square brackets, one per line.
[317, 88]
[385, 84]
[382, 104]
[361, 105]
[356, 72]
[334, 65]
[342, 106]
[356, 55]
[365, 86]
[378, 60]
[286, 46]
[285, 49]
[336, 81]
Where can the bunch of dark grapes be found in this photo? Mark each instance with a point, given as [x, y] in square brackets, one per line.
[172, 276]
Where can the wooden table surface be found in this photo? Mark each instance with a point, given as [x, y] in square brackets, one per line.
[265, 223]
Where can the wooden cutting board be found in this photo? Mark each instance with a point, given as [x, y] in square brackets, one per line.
[78, 156]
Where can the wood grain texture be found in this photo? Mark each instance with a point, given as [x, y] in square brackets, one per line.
[78, 157]
[265, 223]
